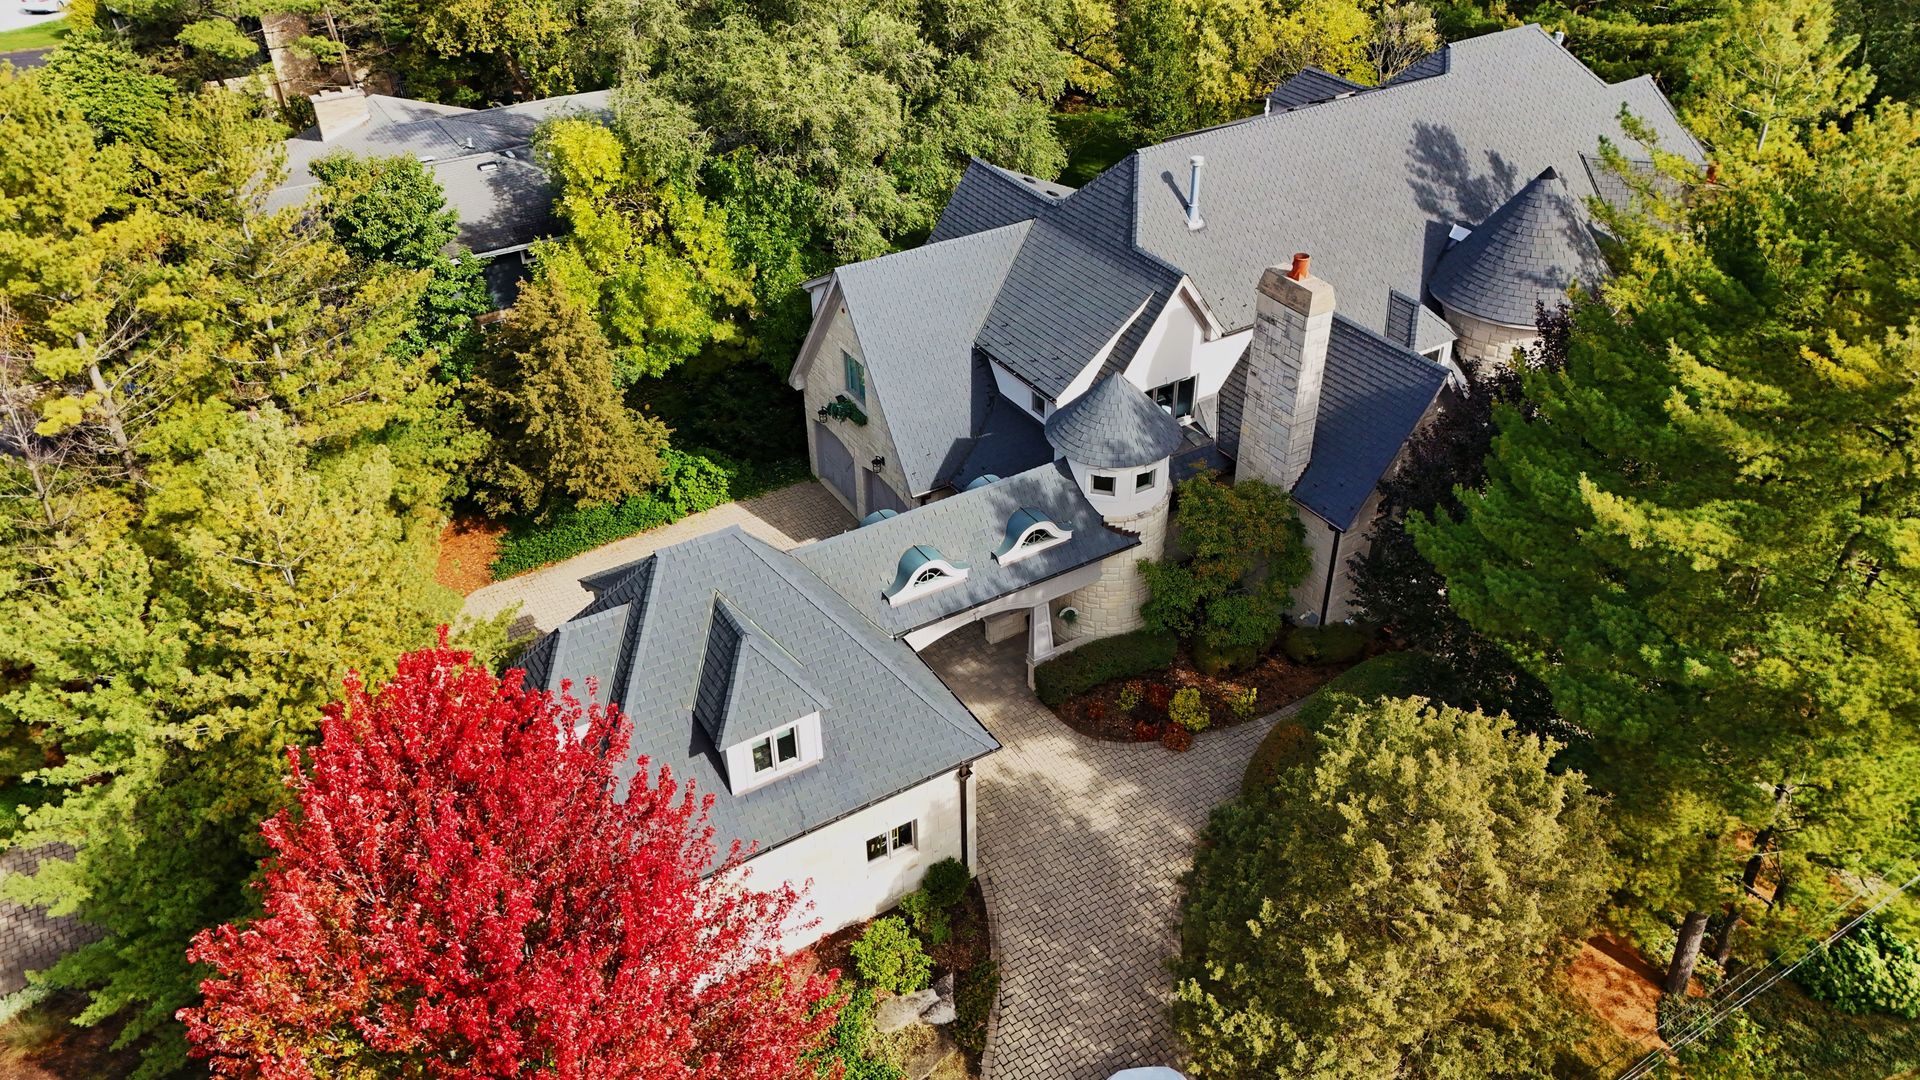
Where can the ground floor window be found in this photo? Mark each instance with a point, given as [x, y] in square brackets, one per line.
[900, 837]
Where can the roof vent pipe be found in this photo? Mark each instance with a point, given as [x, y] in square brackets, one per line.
[1559, 37]
[1194, 165]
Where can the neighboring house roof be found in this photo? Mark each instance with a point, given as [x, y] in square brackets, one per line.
[1310, 87]
[1536, 245]
[966, 529]
[647, 639]
[482, 158]
[916, 313]
[989, 197]
[1372, 395]
[1113, 426]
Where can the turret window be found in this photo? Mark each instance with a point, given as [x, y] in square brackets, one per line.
[1145, 480]
[1102, 485]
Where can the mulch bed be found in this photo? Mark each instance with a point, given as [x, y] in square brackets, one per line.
[1279, 681]
[467, 550]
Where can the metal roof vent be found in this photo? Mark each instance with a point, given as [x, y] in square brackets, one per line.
[1194, 165]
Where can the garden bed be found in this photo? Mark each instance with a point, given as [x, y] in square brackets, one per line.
[1275, 680]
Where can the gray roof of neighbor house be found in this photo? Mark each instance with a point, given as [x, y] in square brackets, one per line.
[1113, 426]
[483, 159]
[966, 529]
[1372, 395]
[1310, 87]
[1536, 245]
[916, 313]
[989, 197]
[648, 639]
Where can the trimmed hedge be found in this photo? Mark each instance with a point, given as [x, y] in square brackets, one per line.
[1334, 643]
[1118, 657]
[692, 483]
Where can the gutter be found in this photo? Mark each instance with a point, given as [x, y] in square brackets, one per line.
[1333, 562]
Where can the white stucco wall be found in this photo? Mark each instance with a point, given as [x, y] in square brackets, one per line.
[1125, 502]
[1177, 347]
[831, 862]
[824, 378]
[1014, 390]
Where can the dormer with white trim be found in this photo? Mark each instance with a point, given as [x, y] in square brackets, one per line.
[1029, 532]
[922, 572]
[756, 704]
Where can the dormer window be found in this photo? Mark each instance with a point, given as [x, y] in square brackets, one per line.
[777, 751]
[1029, 532]
[923, 570]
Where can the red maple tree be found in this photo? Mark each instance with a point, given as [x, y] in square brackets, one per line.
[457, 892]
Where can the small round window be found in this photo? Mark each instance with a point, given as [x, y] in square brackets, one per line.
[1037, 536]
[926, 576]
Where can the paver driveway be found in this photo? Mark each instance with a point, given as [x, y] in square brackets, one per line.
[1081, 846]
[551, 595]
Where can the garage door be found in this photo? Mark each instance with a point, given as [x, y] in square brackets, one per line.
[880, 496]
[833, 463]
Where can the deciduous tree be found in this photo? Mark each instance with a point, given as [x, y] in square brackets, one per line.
[469, 884]
[1246, 551]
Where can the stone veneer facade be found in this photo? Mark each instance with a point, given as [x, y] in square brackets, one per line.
[1112, 604]
[1481, 342]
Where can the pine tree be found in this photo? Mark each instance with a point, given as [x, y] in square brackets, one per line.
[560, 430]
[1776, 62]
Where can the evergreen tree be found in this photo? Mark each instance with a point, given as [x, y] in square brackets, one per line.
[1777, 62]
[1395, 908]
[1157, 83]
[560, 430]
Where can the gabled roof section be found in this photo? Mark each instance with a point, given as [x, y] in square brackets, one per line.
[966, 528]
[1371, 398]
[1371, 184]
[1310, 87]
[1113, 426]
[989, 197]
[749, 684]
[1413, 325]
[1536, 245]
[886, 721]
[917, 313]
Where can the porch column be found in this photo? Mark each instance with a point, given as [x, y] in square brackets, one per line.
[1039, 632]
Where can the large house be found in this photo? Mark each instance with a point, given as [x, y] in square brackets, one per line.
[1006, 409]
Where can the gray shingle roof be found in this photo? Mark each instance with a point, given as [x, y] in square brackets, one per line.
[888, 722]
[1371, 184]
[1113, 426]
[1414, 325]
[1310, 87]
[989, 197]
[1525, 255]
[966, 528]
[1009, 441]
[482, 158]
[917, 313]
[749, 684]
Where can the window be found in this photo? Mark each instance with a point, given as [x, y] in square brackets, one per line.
[896, 839]
[856, 377]
[1102, 485]
[777, 751]
[929, 576]
[1039, 404]
[1037, 536]
[1175, 397]
[1145, 480]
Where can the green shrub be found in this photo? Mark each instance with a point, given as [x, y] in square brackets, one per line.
[888, 957]
[1334, 643]
[946, 882]
[1188, 711]
[1100, 661]
[1872, 969]
[929, 919]
[1291, 742]
[846, 1051]
[1129, 697]
[1244, 702]
[973, 1001]
[691, 483]
[1216, 660]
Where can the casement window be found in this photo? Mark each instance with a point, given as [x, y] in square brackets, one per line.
[903, 837]
[1145, 480]
[1102, 485]
[1175, 397]
[779, 750]
[856, 377]
[1039, 404]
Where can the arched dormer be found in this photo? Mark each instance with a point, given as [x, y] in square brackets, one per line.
[923, 571]
[1029, 532]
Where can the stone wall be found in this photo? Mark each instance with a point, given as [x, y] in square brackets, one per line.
[826, 377]
[30, 939]
[1481, 342]
[1111, 605]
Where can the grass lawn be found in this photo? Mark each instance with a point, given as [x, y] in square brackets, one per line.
[1094, 139]
[1817, 1042]
[1393, 674]
[39, 36]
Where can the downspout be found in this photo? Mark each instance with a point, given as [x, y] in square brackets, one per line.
[966, 856]
[1333, 563]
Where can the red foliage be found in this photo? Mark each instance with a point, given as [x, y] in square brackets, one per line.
[1145, 732]
[1159, 697]
[1096, 711]
[1176, 738]
[458, 893]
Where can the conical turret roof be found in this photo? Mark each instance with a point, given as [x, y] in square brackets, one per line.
[1113, 426]
[1525, 254]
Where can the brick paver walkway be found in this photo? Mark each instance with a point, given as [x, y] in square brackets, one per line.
[1082, 843]
[30, 939]
[551, 595]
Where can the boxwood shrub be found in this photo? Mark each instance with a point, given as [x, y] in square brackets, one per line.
[1872, 969]
[1334, 643]
[1088, 666]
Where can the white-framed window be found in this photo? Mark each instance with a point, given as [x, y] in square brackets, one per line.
[1039, 404]
[1102, 485]
[928, 576]
[1029, 532]
[923, 570]
[1175, 397]
[902, 837]
[780, 750]
[1145, 480]
[1037, 537]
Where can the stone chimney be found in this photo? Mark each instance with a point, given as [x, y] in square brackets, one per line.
[337, 112]
[1286, 361]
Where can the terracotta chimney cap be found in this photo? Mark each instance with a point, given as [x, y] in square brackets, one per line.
[1300, 271]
